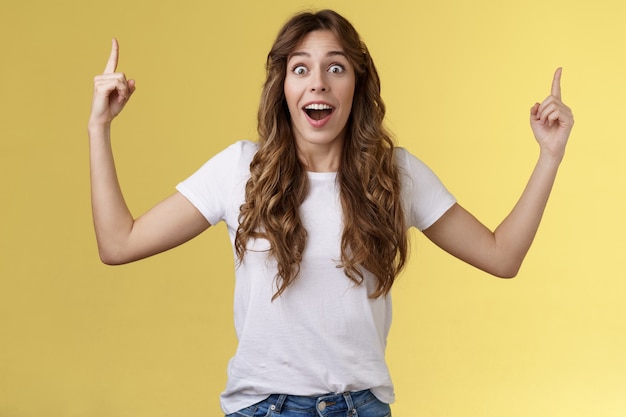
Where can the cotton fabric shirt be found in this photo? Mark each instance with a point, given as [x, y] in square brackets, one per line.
[323, 334]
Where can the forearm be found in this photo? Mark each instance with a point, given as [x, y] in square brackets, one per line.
[113, 221]
[514, 236]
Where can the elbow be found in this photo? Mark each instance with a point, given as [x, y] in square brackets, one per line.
[118, 254]
[110, 260]
[505, 265]
[111, 257]
[506, 271]
[507, 275]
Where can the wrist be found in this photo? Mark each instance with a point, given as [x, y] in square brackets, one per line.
[95, 128]
[547, 157]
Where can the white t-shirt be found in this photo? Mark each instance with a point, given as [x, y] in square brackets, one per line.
[323, 334]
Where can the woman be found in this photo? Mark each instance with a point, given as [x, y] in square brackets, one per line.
[317, 212]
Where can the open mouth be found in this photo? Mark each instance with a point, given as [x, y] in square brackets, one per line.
[318, 111]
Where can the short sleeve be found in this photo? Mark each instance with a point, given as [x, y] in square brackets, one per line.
[210, 189]
[424, 196]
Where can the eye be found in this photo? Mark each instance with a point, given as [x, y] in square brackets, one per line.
[299, 70]
[336, 69]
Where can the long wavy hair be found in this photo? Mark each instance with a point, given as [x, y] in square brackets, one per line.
[375, 235]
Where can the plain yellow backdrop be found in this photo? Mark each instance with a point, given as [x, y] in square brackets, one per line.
[152, 339]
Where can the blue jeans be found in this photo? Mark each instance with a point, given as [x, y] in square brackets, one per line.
[349, 404]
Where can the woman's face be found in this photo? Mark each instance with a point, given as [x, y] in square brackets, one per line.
[319, 87]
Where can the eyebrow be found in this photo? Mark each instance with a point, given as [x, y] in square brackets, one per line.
[308, 55]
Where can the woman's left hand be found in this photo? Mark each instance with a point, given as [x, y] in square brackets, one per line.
[552, 121]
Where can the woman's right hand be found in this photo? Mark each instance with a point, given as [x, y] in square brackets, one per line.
[111, 91]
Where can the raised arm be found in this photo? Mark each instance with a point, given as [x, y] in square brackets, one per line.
[502, 251]
[120, 237]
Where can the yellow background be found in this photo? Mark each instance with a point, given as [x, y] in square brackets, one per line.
[152, 339]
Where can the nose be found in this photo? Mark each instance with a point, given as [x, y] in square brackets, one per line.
[319, 82]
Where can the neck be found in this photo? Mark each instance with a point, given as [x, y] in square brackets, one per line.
[320, 158]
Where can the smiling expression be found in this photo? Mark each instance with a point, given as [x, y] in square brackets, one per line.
[319, 88]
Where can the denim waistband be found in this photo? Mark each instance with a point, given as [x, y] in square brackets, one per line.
[361, 403]
[328, 403]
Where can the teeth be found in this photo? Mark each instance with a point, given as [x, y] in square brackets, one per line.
[317, 106]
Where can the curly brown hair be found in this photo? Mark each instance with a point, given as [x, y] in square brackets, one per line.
[375, 235]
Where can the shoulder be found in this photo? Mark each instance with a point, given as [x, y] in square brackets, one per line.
[231, 162]
[241, 150]
[246, 146]
[424, 195]
[236, 156]
[408, 163]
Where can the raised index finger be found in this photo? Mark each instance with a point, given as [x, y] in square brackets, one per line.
[556, 83]
[112, 62]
